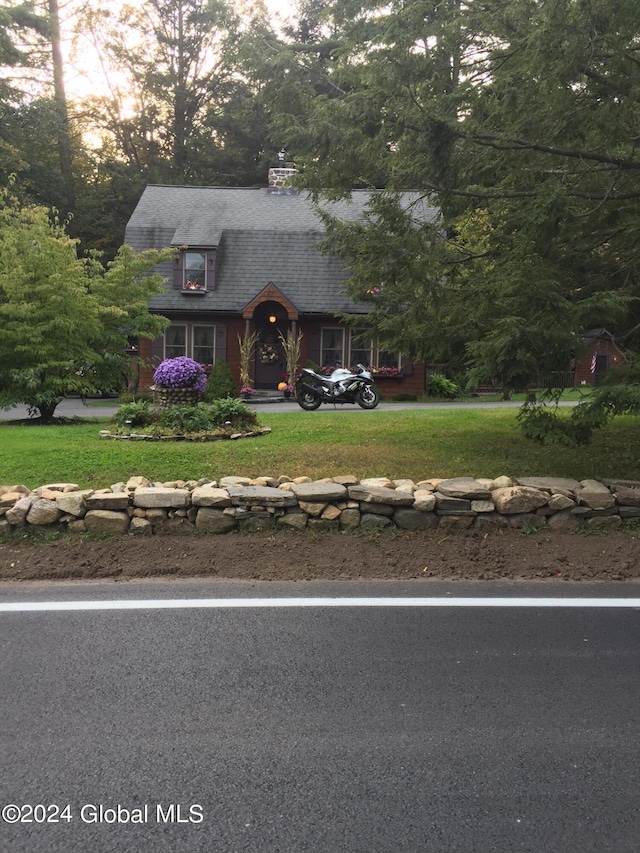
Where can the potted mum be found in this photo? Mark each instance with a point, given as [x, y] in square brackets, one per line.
[180, 381]
[284, 386]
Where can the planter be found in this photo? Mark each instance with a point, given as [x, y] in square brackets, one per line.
[177, 397]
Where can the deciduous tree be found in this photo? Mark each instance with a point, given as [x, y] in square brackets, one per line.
[64, 321]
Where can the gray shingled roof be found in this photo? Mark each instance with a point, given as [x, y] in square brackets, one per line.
[261, 237]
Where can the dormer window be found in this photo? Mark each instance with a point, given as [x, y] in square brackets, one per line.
[195, 271]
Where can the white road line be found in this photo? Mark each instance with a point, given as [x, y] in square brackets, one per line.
[253, 603]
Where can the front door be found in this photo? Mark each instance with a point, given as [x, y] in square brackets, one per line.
[600, 364]
[270, 367]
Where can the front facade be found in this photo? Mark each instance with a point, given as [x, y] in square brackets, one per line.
[601, 353]
[247, 261]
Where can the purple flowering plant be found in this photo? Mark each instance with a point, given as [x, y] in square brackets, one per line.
[181, 372]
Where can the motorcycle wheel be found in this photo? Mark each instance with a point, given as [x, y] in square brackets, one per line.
[307, 400]
[367, 397]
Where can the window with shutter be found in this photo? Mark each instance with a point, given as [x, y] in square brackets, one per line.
[194, 271]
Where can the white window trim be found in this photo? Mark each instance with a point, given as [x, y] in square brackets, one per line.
[322, 347]
[189, 338]
[398, 356]
[186, 338]
[205, 254]
[372, 351]
[192, 328]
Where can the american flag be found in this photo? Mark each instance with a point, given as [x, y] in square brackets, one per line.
[594, 358]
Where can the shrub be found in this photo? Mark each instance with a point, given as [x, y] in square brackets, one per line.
[185, 419]
[440, 386]
[222, 414]
[220, 382]
[181, 420]
[136, 413]
[230, 409]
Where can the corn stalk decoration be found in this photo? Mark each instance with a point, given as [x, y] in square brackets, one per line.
[291, 346]
[247, 346]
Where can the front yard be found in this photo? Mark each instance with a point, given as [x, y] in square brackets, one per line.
[416, 444]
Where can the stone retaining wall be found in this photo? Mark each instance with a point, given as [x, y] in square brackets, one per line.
[141, 507]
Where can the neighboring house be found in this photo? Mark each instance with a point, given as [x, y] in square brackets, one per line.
[247, 260]
[601, 352]
[598, 352]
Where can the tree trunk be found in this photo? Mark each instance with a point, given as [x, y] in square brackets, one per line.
[46, 411]
[180, 101]
[60, 99]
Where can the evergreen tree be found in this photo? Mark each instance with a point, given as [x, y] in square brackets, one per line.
[518, 122]
[220, 382]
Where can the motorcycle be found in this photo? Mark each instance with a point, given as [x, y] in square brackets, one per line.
[343, 386]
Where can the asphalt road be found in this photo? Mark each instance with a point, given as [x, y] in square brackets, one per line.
[322, 729]
[103, 409]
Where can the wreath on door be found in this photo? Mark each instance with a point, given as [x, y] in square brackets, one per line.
[267, 354]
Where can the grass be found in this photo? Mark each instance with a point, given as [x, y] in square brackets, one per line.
[415, 443]
[567, 395]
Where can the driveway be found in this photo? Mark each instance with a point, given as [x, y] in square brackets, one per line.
[105, 408]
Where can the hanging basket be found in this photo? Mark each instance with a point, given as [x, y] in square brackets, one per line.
[177, 397]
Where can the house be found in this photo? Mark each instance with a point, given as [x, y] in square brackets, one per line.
[247, 260]
[600, 353]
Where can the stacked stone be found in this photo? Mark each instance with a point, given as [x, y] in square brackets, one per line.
[280, 178]
[140, 506]
[177, 397]
[212, 436]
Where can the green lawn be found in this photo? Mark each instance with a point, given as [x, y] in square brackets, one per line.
[415, 444]
[569, 394]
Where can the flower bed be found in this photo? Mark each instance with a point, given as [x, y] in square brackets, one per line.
[222, 418]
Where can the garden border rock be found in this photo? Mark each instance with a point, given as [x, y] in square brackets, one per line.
[141, 507]
[212, 436]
